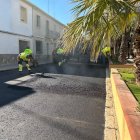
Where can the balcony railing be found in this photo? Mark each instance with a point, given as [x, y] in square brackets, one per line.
[53, 34]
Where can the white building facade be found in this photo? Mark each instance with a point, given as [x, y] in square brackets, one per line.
[24, 25]
[46, 32]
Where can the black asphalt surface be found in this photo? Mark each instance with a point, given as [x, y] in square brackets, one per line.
[66, 103]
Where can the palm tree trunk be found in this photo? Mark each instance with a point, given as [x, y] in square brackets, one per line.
[118, 44]
[113, 43]
[137, 50]
[123, 49]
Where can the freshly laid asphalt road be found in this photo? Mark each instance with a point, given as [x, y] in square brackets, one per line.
[66, 103]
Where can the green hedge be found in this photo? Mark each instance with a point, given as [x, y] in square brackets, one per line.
[128, 75]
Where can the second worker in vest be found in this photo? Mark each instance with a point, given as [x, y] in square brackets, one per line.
[105, 54]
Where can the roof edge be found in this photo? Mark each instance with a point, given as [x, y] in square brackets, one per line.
[34, 6]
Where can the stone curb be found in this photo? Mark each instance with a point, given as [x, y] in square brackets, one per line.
[125, 107]
[111, 127]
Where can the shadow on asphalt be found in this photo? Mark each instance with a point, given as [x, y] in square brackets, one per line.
[9, 93]
[63, 124]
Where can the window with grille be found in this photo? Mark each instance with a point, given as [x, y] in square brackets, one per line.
[54, 27]
[38, 21]
[23, 45]
[48, 50]
[47, 27]
[38, 47]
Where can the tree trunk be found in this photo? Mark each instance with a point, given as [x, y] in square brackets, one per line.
[123, 49]
[137, 50]
[117, 46]
[112, 45]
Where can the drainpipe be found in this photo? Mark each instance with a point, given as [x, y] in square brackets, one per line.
[33, 35]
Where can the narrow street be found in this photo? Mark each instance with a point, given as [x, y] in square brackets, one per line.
[66, 103]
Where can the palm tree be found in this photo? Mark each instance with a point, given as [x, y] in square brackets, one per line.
[115, 45]
[118, 44]
[136, 45]
[97, 21]
[137, 50]
[124, 46]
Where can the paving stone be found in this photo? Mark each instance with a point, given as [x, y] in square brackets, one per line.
[109, 103]
[111, 128]
[110, 134]
[109, 112]
[110, 123]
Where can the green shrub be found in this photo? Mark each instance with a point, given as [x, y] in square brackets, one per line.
[128, 75]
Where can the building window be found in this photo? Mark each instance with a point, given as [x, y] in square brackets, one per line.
[38, 47]
[54, 27]
[23, 14]
[23, 45]
[47, 27]
[38, 21]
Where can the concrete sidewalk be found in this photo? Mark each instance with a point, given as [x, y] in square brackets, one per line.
[8, 67]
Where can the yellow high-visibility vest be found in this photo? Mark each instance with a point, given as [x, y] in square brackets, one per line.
[60, 51]
[106, 51]
[23, 56]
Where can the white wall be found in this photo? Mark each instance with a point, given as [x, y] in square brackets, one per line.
[10, 17]
[10, 22]
[39, 33]
[17, 25]
[5, 15]
[9, 44]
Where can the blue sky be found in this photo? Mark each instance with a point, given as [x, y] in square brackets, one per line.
[59, 9]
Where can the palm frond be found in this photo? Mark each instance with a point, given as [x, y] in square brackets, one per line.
[97, 21]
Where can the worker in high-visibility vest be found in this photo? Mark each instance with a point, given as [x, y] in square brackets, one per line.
[59, 56]
[26, 57]
[60, 52]
[105, 54]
